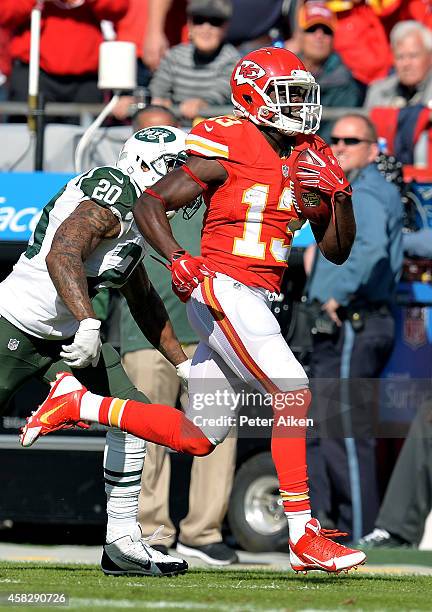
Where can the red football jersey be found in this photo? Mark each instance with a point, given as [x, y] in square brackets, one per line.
[250, 220]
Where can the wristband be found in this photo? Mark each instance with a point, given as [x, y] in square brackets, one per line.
[89, 324]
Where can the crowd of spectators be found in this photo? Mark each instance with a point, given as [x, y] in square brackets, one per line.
[69, 46]
[374, 56]
[197, 74]
[362, 53]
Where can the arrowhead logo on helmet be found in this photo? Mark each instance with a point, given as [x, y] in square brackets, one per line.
[248, 70]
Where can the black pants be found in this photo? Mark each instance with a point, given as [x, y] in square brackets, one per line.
[23, 357]
[55, 88]
[341, 445]
[408, 498]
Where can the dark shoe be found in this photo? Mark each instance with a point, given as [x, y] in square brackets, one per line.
[380, 538]
[217, 553]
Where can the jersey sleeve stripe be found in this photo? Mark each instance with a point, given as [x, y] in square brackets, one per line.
[204, 149]
[205, 141]
[195, 139]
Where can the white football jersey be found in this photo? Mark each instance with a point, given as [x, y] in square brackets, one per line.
[28, 298]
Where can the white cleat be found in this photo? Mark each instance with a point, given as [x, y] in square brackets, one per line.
[132, 555]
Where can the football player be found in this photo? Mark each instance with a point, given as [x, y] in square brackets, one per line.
[86, 240]
[242, 165]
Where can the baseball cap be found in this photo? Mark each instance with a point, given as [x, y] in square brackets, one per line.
[222, 9]
[312, 13]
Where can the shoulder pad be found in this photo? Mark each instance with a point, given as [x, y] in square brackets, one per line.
[216, 137]
[109, 187]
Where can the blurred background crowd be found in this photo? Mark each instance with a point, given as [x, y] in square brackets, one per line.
[368, 54]
[372, 55]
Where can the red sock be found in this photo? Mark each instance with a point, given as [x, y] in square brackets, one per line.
[156, 423]
[289, 448]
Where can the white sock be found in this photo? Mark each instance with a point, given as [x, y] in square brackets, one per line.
[297, 523]
[123, 464]
[89, 408]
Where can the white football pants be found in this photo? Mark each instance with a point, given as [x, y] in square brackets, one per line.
[240, 344]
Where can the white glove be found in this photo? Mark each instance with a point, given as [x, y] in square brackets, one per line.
[86, 347]
[183, 370]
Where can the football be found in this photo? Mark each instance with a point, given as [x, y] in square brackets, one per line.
[310, 203]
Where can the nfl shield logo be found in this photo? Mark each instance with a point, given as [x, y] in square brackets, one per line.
[13, 344]
[285, 170]
[414, 327]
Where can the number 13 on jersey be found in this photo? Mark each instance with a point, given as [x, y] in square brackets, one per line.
[251, 245]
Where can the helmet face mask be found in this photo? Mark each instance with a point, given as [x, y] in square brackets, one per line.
[167, 162]
[293, 103]
[272, 87]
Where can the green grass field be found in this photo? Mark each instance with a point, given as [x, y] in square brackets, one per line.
[238, 590]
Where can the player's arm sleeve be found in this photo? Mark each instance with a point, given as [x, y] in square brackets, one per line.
[110, 188]
[369, 246]
[207, 139]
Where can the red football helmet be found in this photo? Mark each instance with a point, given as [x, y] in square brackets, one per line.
[271, 86]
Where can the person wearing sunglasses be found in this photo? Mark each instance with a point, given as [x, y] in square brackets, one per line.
[317, 25]
[196, 75]
[411, 82]
[355, 301]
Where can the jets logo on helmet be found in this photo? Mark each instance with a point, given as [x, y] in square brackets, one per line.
[156, 135]
[248, 71]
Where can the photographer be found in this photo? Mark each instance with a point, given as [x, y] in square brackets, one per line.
[354, 336]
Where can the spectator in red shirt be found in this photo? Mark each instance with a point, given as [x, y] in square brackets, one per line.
[4, 62]
[69, 46]
[361, 41]
[393, 11]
